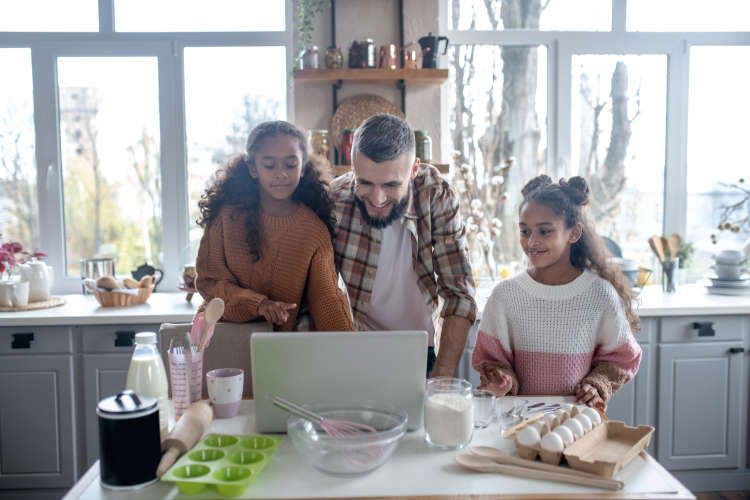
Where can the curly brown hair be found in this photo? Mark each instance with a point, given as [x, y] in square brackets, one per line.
[233, 186]
[567, 199]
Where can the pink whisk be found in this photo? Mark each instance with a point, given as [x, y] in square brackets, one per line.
[332, 427]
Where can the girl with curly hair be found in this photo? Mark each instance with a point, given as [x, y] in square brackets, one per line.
[564, 325]
[266, 246]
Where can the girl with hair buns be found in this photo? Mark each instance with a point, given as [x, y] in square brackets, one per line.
[266, 246]
[564, 325]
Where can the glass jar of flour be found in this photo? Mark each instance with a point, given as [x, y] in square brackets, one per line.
[448, 412]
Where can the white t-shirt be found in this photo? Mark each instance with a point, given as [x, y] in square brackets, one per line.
[397, 302]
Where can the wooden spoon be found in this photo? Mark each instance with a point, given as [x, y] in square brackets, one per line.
[675, 242]
[657, 246]
[214, 312]
[498, 456]
[482, 464]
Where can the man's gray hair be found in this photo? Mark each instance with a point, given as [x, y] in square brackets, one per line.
[383, 138]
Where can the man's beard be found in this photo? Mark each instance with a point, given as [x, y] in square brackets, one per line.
[381, 222]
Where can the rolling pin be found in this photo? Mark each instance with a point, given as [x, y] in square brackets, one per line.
[188, 430]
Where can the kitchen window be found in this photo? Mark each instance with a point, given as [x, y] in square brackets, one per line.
[635, 152]
[119, 132]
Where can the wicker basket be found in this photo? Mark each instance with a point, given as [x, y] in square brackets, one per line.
[117, 299]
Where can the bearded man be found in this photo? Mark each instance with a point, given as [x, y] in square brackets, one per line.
[400, 244]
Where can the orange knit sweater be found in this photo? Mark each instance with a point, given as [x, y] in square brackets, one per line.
[296, 263]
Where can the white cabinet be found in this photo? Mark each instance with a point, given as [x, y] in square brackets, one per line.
[37, 436]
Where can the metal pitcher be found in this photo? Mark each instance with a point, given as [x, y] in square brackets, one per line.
[95, 269]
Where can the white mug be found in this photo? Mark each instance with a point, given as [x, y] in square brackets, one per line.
[14, 293]
[225, 390]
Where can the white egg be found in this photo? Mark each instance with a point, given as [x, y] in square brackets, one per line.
[552, 442]
[539, 425]
[585, 422]
[566, 407]
[551, 419]
[565, 433]
[528, 436]
[596, 419]
[575, 426]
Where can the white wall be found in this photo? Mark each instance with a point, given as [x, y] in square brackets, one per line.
[376, 19]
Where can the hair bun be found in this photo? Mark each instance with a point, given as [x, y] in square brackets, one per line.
[536, 183]
[577, 189]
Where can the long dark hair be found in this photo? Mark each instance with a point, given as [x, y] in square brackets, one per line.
[233, 185]
[567, 199]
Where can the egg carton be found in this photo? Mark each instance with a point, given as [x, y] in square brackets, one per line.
[227, 462]
[604, 450]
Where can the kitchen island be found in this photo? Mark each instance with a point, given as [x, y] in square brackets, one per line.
[415, 470]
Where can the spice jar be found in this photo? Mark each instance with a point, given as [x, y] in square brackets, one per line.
[319, 143]
[334, 58]
[448, 413]
[310, 58]
[347, 139]
[423, 146]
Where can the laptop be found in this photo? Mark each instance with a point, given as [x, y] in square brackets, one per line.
[386, 367]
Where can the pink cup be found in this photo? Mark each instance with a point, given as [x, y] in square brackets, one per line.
[225, 390]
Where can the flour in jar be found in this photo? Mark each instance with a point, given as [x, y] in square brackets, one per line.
[449, 419]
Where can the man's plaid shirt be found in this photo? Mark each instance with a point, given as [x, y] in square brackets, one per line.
[439, 252]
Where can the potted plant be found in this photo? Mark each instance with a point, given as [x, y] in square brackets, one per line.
[18, 272]
[306, 12]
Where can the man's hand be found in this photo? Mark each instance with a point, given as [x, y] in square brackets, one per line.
[495, 378]
[274, 311]
[588, 395]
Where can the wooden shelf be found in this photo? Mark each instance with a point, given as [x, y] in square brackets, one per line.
[342, 169]
[374, 75]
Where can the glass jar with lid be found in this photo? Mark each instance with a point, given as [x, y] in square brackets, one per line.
[345, 149]
[423, 146]
[319, 143]
[311, 58]
[334, 58]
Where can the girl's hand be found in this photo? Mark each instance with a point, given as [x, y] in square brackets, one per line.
[495, 381]
[274, 311]
[588, 395]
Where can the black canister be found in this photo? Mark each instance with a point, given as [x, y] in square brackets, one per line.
[129, 440]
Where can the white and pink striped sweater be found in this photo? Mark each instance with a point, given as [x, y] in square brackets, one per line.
[551, 336]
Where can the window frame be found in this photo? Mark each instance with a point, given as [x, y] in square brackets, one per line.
[168, 48]
[562, 45]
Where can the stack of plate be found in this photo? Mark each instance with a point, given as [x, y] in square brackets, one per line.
[730, 276]
[718, 286]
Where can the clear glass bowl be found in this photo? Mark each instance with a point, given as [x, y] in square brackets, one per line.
[349, 455]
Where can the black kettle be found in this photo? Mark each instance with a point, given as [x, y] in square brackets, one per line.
[430, 49]
[146, 270]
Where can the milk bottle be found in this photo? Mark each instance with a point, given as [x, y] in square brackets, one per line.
[147, 376]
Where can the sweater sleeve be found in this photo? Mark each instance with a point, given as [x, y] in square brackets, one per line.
[493, 339]
[617, 355]
[328, 304]
[215, 279]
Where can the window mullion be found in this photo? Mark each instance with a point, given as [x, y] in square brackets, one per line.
[563, 105]
[174, 188]
[106, 16]
[49, 166]
[675, 172]
[619, 15]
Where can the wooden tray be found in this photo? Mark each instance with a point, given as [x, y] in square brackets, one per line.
[31, 306]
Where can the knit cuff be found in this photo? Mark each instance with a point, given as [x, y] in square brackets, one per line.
[243, 306]
[607, 379]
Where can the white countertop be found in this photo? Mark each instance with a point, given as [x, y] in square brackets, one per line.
[690, 300]
[415, 469]
[85, 310]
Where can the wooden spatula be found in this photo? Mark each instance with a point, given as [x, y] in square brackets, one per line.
[675, 242]
[658, 247]
[481, 464]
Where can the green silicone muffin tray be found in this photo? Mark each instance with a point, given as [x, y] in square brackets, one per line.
[228, 462]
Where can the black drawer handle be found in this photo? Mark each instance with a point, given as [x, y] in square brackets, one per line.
[705, 328]
[22, 340]
[736, 350]
[124, 339]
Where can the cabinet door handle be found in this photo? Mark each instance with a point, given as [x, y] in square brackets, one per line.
[22, 340]
[705, 328]
[736, 350]
[124, 338]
